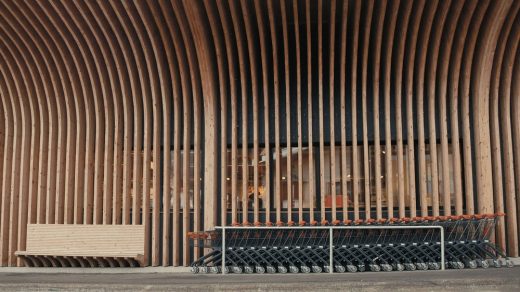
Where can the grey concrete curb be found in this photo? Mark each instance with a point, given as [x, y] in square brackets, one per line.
[145, 270]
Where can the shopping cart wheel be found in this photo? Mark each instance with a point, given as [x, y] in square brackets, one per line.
[316, 269]
[282, 270]
[260, 270]
[294, 269]
[352, 268]
[386, 267]
[410, 267]
[249, 270]
[434, 266]
[471, 264]
[340, 269]
[399, 267]
[195, 270]
[203, 270]
[459, 265]
[237, 270]
[214, 270]
[270, 269]
[305, 269]
[374, 268]
[484, 264]
[497, 264]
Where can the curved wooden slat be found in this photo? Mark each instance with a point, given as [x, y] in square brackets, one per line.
[376, 85]
[364, 109]
[354, 96]
[389, 44]
[312, 187]
[342, 96]
[262, 31]
[467, 60]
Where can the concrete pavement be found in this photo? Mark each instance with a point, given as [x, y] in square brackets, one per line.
[504, 279]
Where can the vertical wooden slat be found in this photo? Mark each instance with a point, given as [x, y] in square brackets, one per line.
[467, 61]
[312, 186]
[507, 130]
[515, 129]
[323, 190]
[287, 83]
[332, 32]
[398, 95]
[254, 87]
[8, 95]
[197, 108]
[376, 84]
[299, 110]
[364, 89]
[430, 95]
[419, 87]
[243, 93]
[223, 87]
[421, 147]
[422, 44]
[342, 96]
[354, 94]
[233, 90]
[276, 85]
[389, 44]
[265, 89]
[3, 143]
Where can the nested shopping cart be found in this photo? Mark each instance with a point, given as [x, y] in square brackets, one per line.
[352, 246]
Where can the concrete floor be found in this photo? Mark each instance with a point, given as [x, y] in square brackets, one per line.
[504, 279]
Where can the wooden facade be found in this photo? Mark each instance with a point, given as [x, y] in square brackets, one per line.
[182, 115]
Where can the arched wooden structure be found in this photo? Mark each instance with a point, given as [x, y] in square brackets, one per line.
[183, 115]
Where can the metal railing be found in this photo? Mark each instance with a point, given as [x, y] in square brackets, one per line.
[331, 242]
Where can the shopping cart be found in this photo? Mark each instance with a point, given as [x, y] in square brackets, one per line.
[306, 248]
